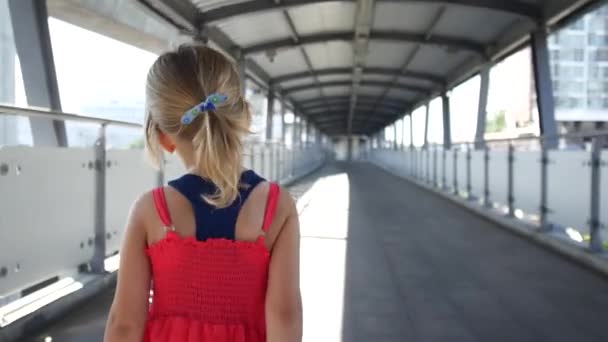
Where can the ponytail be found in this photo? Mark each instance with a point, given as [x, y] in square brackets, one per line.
[179, 81]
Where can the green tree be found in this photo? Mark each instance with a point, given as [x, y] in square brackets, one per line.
[498, 123]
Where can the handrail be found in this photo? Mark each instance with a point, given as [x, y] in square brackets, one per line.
[540, 138]
[38, 112]
[577, 135]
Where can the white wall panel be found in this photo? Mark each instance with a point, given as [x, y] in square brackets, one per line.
[462, 171]
[526, 181]
[47, 213]
[267, 156]
[477, 173]
[449, 169]
[498, 176]
[173, 168]
[127, 177]
[604, 190]
[422, 164]
[569, 188]
[440, 163]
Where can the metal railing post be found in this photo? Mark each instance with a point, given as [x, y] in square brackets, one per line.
[469, 186]
[435, 184]
[455, 170]
[271, 173]
[486, 176]
[293, 161]
[278, 162]
[160, 174]
[444, 180]
[544, 210]
[510, 198]
[99, 254]
[252, 157]
[595, 241]
[428, 165]
[412, 163]
[263, 160]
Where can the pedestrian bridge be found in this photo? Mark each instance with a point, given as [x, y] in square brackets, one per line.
[422, 239]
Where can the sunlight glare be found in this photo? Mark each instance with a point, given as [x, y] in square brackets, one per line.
[324, 228]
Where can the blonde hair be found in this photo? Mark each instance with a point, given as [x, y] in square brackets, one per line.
[182, 79]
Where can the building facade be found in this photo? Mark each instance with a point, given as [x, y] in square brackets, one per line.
[579, 65]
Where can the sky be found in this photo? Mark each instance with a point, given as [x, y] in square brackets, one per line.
[94, 69]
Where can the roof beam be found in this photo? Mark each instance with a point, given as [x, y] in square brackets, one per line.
[395, 36]
[180, 13]
[363, 25]
[362, 83]
[516, 7]
[311, 102]
[186, 17]
[428, 35]
[367, 71]
[365, 103]
[357, 123]
[296, 39]
[344, 113]
[360, 107]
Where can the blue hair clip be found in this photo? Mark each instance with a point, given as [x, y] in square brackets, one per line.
[210, 103]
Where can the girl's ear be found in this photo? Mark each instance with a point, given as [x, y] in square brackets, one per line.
[166, 142]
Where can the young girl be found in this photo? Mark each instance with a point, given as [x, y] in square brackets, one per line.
[219, 246]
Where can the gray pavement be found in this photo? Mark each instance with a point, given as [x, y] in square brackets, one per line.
[416, 268]
[419, 268]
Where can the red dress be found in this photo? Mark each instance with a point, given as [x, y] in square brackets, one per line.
[212, 290]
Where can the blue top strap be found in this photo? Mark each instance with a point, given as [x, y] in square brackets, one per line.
[212, 222]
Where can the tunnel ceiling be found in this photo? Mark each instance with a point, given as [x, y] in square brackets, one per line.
[356, 66]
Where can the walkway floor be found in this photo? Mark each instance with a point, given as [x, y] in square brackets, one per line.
[383, 260]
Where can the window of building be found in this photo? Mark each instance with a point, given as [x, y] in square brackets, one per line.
[572, 40]
[598, 23]
[569, 72]
[599, 55]
[595, 103]
[574, 102]
[555, 70]
[578, 25]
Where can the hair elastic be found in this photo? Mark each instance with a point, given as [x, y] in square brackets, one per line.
[210, 103]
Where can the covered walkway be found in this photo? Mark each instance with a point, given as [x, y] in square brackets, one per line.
[343, 89]
[380, 264]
